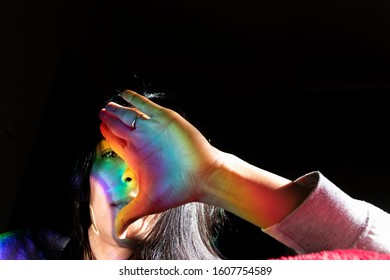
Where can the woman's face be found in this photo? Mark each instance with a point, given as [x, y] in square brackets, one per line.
[113, 186]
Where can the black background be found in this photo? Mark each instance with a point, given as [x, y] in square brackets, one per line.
[290, 86]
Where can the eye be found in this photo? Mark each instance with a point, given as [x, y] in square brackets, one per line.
[109, 154]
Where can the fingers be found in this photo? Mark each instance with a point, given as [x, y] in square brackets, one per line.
[115, 142]
[125, 114]
[117, 126]
[141, 102]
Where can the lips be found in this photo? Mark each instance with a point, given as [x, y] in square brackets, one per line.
[120, 204]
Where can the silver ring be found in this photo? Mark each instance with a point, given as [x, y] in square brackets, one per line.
[132, 125]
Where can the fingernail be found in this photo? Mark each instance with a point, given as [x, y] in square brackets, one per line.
[109, 106]
[123, 235]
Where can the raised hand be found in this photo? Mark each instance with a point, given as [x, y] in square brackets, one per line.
[170, 157]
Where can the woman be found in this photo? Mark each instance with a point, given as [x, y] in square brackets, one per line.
[174, 165]
[153, 168]
[103, 183]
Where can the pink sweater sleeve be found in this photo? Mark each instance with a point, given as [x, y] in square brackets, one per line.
[330, 219]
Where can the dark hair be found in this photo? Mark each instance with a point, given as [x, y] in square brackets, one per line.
[189, 231]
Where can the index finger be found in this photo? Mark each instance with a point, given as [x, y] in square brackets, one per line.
[141, 102]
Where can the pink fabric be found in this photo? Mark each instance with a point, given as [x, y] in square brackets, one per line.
[345, 254]
[330, 219]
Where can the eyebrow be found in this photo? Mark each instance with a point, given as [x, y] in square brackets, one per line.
[103, 145]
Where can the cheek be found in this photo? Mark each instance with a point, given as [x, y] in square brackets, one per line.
[108, 178]
[98, 194]
[100, 204]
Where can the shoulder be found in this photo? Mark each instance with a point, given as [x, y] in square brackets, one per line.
[34, 244]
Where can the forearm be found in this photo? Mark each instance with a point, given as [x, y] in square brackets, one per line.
[254, 194]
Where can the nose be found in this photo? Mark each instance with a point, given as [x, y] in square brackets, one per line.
[128, 178]
[127, 175]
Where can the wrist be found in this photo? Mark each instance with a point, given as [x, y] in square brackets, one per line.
[256, 195]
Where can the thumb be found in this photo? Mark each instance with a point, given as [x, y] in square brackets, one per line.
[133, 211]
